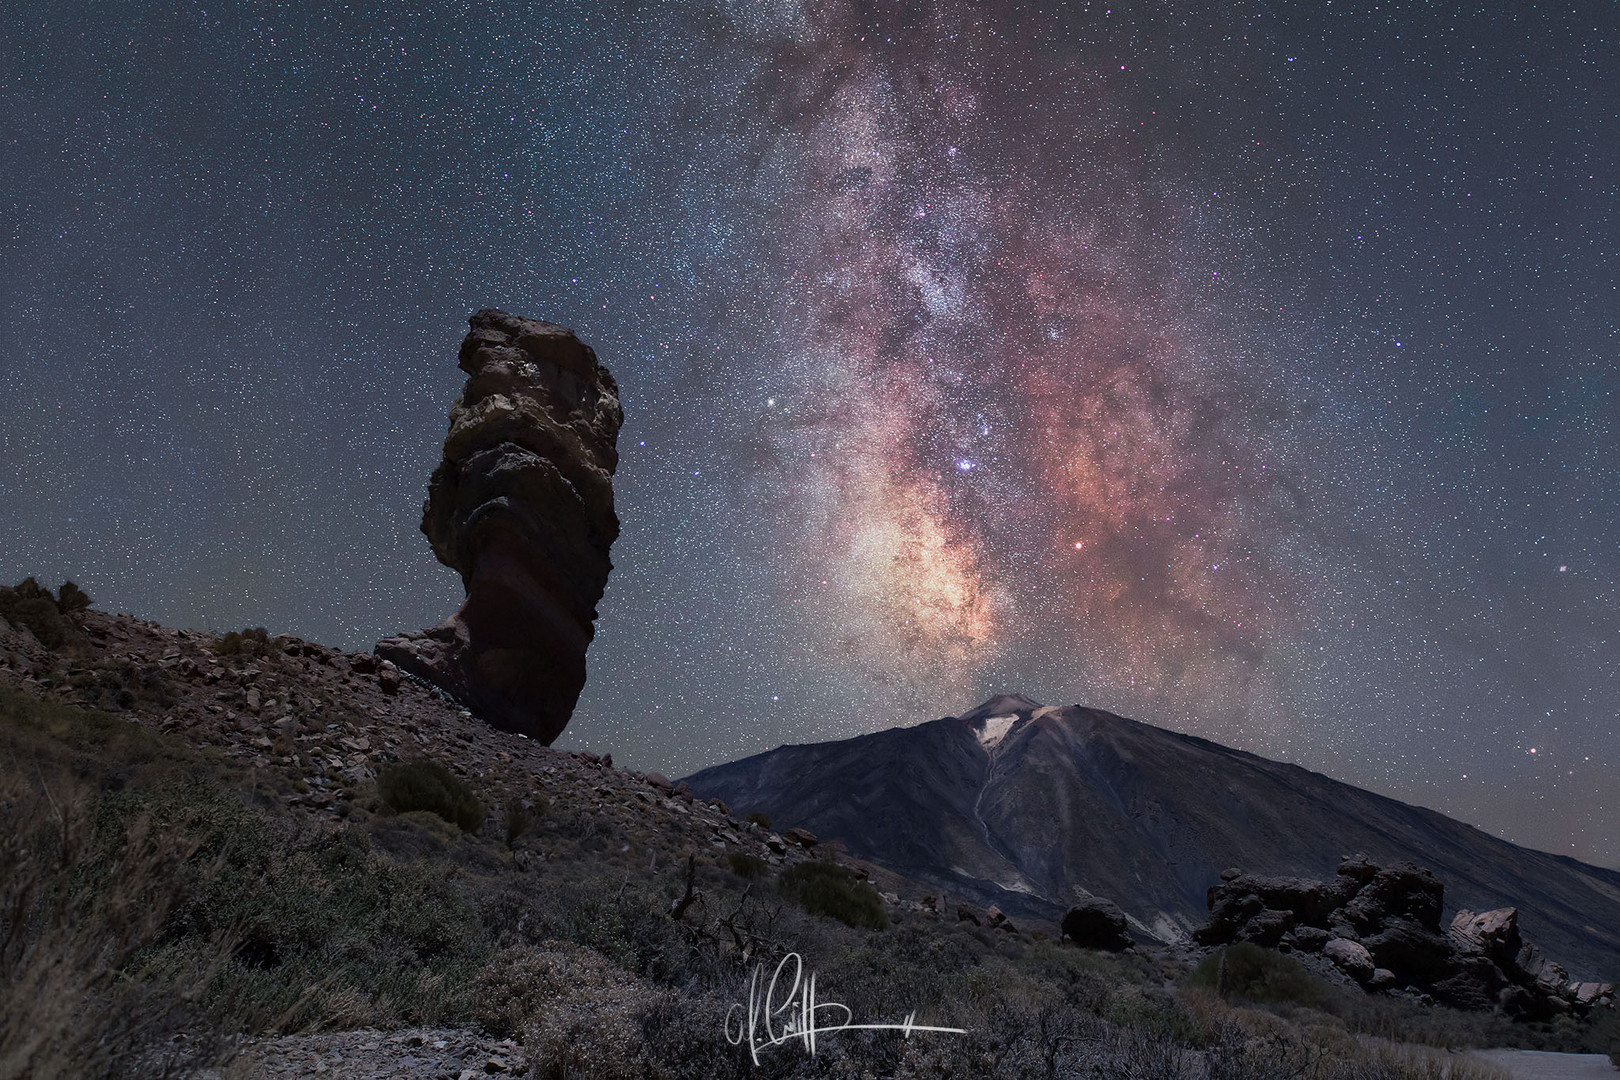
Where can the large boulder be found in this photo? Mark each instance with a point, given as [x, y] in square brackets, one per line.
[1351, 957]
[1095, 923]
[1381, 925]
[522, 507]
[1491, 934]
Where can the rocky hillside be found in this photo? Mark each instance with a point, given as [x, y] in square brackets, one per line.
[1031, 807]
[208, 855]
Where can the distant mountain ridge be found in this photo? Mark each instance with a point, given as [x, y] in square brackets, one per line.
[1030, 807]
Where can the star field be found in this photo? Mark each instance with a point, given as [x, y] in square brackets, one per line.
[1251, 372]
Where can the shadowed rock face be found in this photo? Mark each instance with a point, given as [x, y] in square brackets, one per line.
[1031, 808]
[522, 507]
[1381, 926]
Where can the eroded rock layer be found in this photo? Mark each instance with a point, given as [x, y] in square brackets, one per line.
[522, 507]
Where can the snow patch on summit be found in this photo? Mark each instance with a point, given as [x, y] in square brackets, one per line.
[995, 729]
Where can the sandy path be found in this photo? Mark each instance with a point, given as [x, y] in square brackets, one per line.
[1540, 1065]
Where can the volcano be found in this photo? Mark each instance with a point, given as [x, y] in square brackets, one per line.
[1032, 807]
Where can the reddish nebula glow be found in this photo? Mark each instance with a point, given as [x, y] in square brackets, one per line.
[1018, 374]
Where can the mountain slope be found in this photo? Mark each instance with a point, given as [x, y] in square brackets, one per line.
[1029, 807]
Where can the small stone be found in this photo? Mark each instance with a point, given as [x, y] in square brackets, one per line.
[496, 1064]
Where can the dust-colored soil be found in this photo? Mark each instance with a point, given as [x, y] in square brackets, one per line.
[1540, 1065]
[416, 1054]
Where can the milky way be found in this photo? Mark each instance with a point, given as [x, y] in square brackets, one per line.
[1245, 369]
[1018, 419]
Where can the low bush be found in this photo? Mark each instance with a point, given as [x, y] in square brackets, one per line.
[249, 642]
[71, 598]
[1247, 972]
[426, 785]
[30, 605]
[745, 865]
[756, 818]
[518, 821]
[827, 889]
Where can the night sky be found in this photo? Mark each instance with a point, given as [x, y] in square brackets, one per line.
[1247, 369]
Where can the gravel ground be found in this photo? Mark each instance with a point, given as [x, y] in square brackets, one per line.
[1540, 1065]
[416, 1054]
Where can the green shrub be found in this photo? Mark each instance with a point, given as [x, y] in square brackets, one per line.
[756, 818]
[29, 605]
[427, 785]
[1250, 973]
[71, 598]
[745, 865]
[827, 889]
[243, 643]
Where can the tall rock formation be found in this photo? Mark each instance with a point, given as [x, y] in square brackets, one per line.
[522, 507]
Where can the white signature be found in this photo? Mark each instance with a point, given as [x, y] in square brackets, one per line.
[797, 1011]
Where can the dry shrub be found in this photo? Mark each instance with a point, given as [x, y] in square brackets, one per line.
[75, 918]
[577, 1013]
[745, 865]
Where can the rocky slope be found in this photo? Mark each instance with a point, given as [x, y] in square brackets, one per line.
[1030, 808]
[308, 726]
[522, 507]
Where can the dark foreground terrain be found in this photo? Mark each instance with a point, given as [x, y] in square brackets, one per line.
[226, 856]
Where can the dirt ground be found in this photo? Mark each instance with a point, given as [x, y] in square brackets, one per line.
[1540, 1065]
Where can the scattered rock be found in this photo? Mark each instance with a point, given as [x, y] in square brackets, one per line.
[1381, 926]
[522, 507]
[803, 837]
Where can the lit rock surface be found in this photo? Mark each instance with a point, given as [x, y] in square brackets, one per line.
[522, 507]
